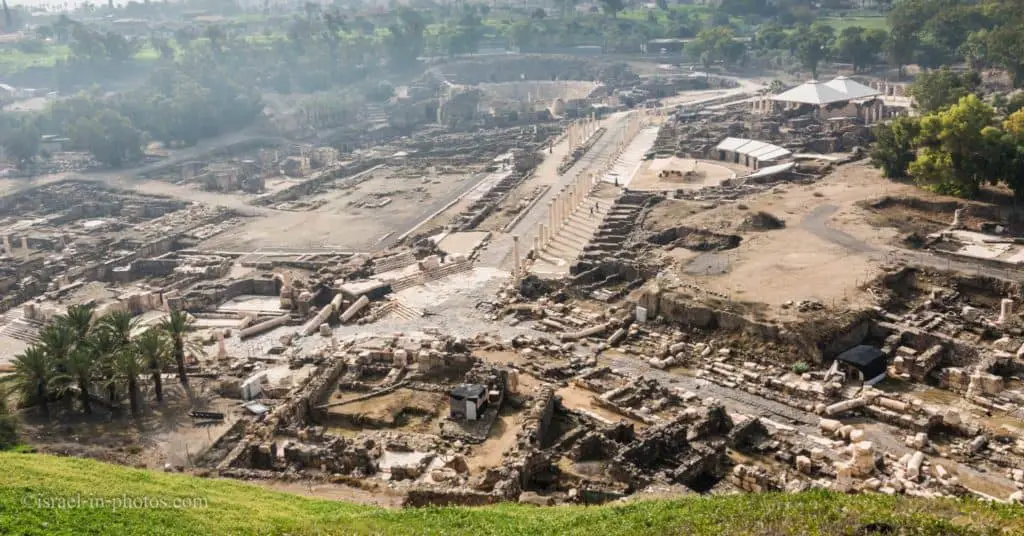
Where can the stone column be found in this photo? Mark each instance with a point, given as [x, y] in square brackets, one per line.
[543, 235]
[222, 351]
[24, 243]
[558, 214]
[7, 245]
[1005, 310]
[515, 256]
[551, 213]
[536, 245]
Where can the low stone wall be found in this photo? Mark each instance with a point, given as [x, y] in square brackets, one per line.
[310, 186]
[681, 309]
[420, 497]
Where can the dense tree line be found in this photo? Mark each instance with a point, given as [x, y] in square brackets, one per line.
[955, 149]
[933, 33]
[82, 356]
[179, 104]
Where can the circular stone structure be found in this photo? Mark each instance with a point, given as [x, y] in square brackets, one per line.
[663, 174]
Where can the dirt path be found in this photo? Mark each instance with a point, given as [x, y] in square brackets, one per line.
[817, 223]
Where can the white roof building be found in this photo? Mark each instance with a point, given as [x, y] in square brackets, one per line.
[763, 152]
[839, 89]
[852, 88]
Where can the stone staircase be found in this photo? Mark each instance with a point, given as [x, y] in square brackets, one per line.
[556, 258]
[16, 326]
[404, 312]
[616, 227]
[395, 309]
[426, 276]
[394, 262]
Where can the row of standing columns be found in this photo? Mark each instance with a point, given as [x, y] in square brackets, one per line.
[580, 131]
[565, 202]
[9, 250]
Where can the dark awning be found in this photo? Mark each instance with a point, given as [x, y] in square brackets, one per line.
[868, 359]
[468, 391]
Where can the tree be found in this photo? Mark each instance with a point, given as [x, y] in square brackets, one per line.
[110, 137]
[811, 45]
[112, 336]
[859, 46]
[612, 7]
[129, 364]
[57, 341]
[1005, 46]
[104, 348]
[79, 368]
[850, 46]
[152, 347]
[8, 424]
[716, 44]
[662, 4]
[177, 326]
[21, 143]
[771, 37]
[78, 319]
[955, 146]
[33, 372]
[406, 42]
[940, 89]
[893, 150]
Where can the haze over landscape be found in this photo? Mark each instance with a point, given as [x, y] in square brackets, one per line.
[550, 267]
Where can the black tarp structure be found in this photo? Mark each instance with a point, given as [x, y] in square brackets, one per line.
[870, 361]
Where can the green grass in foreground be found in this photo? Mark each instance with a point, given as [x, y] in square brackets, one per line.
[29, 481]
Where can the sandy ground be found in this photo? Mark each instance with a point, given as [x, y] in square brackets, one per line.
[163, 434]
[707, 174]
[796, 262]
[501, 438]
[337, 222]
[406, 409]
[581, 399]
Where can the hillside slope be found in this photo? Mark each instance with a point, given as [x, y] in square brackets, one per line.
[52, 495]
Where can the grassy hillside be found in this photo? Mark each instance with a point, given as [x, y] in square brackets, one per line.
[33, 486]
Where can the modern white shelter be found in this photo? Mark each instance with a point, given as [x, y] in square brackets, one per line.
[750, 153]
[841, 98]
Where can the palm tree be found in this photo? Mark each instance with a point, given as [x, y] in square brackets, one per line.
[33, 371]
[152, 346]
[112, 333]
[79, 319]
[105, 346]
[80, 367]
[119, 324]
[57, 341]
[129, 363]
[176, 325]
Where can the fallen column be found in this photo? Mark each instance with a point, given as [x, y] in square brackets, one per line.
[846, 405]
[263, 326]
[914, 466]
[322, 316]
[576, 335]
[617, 337]
[354, 308]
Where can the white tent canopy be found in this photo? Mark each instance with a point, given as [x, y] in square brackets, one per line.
[813, 92]
[851, 88]
[839, 89]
